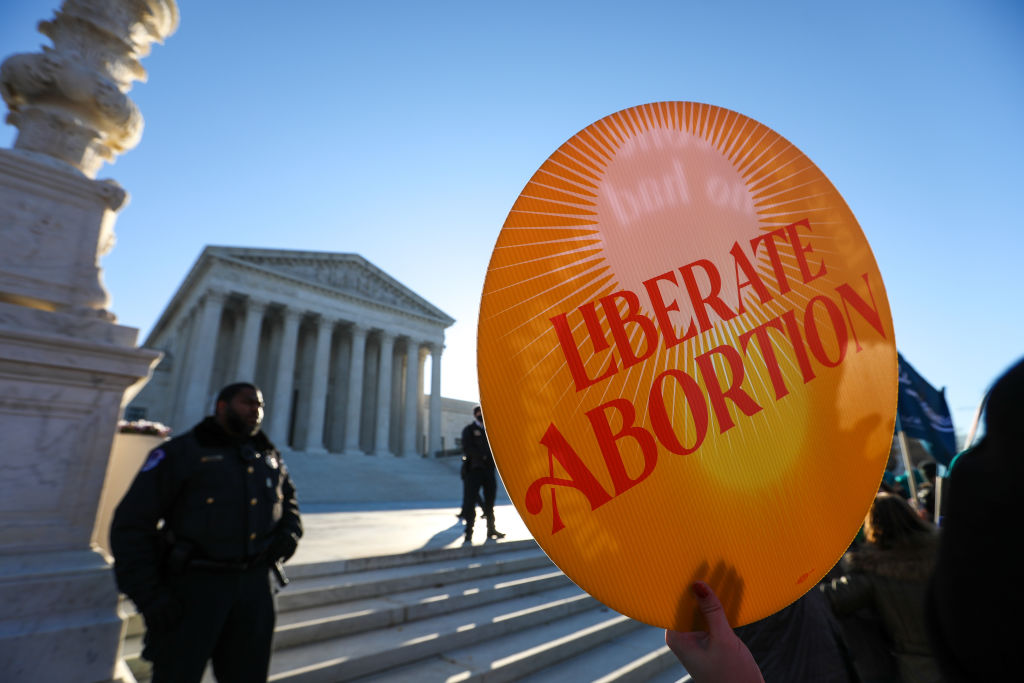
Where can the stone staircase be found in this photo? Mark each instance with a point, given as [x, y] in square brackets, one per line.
[484, 613]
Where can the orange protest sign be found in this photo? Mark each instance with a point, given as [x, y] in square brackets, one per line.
[686, 361]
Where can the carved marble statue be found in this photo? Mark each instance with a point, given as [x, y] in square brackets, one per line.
[69, 102]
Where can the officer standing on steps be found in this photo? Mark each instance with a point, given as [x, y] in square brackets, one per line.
[209, 516]
[478, 464]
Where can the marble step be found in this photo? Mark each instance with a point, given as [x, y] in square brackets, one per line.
[359, 564]
[671, 676]
[369, 652]
[516, 656]
[328, 593]
[324, 622]
[561, 651]
[356, 577]
[334, 620]
[354, 585]
[637, 657]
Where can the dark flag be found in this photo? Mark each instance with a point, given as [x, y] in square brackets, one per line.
[924, 414]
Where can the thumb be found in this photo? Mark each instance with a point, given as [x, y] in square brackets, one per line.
[711, 608]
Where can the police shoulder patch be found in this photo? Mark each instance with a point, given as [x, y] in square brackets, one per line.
[155, 456]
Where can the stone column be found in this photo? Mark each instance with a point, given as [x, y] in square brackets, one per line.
[280, 407]
[355, 390]
[197, 399]
[186, 334]
[245, 369]
[434, 432]
[381, 445]
[318, 395]
[412, 385]
[66, 367]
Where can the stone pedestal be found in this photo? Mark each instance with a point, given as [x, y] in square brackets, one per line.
[66, 368]
[65, 371]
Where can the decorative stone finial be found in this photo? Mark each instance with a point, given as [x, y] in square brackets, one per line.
[68, 102]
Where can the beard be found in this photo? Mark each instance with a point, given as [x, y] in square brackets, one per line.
[239, 425]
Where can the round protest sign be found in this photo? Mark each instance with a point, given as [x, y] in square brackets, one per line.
[687, 366]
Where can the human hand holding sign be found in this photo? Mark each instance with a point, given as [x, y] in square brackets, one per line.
[716, 655]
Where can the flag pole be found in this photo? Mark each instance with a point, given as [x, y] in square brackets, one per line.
[905, 453]
[975, 422]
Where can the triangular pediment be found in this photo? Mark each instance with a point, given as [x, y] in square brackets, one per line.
[348, 274]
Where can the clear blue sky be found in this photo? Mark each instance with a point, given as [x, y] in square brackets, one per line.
[404, 131]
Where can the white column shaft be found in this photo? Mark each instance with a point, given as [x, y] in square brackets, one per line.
[280, 407]
[354, 403]
[412, 386]
[318, 395]
[245, 370]
[381, 445]
[434, 432]
[185, 339]
[204, 341]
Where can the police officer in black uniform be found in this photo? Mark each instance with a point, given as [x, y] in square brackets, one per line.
[478, 470]
[209, 517]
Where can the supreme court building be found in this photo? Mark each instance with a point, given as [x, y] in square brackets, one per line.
[338, 347]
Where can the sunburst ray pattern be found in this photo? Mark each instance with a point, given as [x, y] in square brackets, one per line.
[677, 194]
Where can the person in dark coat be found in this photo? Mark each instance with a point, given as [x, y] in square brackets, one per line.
[975, 602]
[889, 574]
[478, 471]
[801, 643]
[209, 516]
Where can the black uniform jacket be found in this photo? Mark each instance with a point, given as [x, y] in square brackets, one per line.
[475, 447]
[219, 499]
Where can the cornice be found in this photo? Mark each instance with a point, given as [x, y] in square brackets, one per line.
[229, 256]
[314, 258]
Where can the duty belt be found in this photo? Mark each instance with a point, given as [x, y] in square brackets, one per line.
[224, 566]
[241, 566]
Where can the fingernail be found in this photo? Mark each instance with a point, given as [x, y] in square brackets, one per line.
[701, 590]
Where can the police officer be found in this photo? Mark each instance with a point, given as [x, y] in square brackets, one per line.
[209, 516]
[477, 470]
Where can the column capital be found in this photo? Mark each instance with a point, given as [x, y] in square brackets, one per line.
[325, 320]
[253, 303]
[289, 313]
[215, 295]
[387, 335]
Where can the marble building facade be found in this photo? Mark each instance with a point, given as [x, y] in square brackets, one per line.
[338, 347]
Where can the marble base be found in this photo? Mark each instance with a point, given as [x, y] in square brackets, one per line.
[60, 618]
[63, 380]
